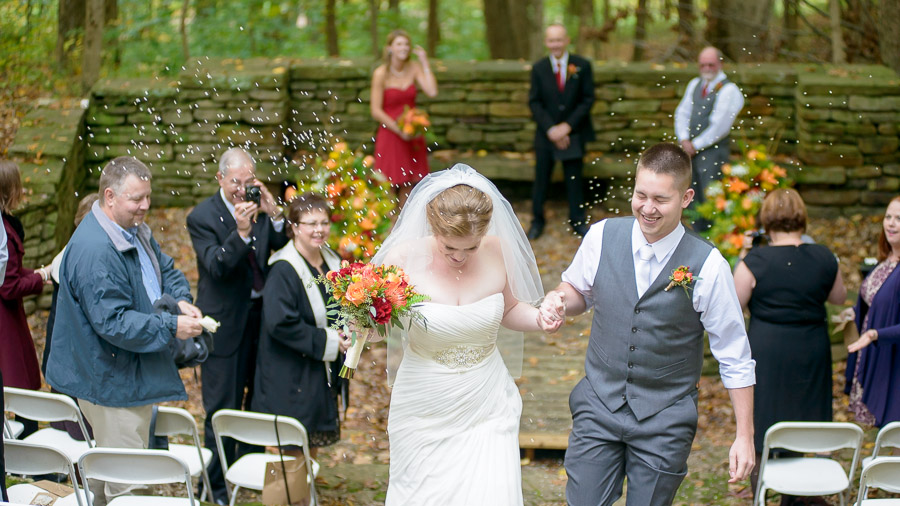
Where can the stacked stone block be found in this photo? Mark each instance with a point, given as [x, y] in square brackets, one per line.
[848, 124]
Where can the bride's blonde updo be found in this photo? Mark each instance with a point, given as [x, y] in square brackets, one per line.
[460, 211]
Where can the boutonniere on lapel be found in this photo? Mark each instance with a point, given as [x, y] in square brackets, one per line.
[572, 70]
[683, 277]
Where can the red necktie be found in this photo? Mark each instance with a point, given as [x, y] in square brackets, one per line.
[559, 78]
[704, 91]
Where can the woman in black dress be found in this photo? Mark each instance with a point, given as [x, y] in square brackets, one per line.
[299, 356]
[785, 286]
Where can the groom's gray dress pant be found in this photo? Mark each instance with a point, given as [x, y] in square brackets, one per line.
[605, 447]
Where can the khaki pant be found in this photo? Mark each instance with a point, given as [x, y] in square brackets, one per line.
[117, 428]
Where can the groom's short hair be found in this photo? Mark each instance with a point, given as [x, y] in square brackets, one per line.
[667, 158]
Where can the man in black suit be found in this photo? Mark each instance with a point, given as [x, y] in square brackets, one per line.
[561, 97]
[233, 237]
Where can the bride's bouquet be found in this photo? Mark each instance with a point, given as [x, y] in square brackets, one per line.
[368, 297]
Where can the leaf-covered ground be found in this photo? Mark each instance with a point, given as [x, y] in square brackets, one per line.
[355, 470]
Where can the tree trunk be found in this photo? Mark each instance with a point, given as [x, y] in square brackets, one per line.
[640, 30]
[93, 43]
[585, 42]
[434, 27]
[791, 24]
[513, 28]
[604, 6]
[889, 33]
[331, 35]
[739, 27]
[686, 37]
[394, 7]
[70, 15]
[838, 54]
[373, 28]
[185, 50]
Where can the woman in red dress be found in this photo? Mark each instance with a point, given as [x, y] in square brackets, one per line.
[401, 158]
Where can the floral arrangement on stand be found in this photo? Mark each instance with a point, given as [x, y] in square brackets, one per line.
[732, 203]
[360, 197]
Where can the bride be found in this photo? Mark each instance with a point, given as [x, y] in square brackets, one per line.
[454, 413]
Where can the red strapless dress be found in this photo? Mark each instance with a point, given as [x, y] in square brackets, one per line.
[399, 160]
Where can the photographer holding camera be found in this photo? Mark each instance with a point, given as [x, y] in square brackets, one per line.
[233, 232]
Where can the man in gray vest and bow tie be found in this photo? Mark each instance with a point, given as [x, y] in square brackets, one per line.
[654, 288]
[703, 122]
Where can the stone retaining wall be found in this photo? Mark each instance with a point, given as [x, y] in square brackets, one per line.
[50, 154]
[840, 124]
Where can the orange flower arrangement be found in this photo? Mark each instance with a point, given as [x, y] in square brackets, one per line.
[367, 296]
[414, 122]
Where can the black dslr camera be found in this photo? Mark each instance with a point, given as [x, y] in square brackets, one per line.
[252, 193]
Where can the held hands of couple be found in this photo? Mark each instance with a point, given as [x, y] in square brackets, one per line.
[552, 312]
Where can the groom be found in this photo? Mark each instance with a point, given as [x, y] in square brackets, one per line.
[635, 412]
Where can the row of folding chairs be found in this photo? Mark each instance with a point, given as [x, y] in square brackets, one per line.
[823, 476]
[118, 465]
[251, 428]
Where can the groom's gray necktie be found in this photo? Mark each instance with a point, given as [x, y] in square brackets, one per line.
[642, 269]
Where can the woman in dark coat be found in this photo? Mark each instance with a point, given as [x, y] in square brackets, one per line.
[875, 383]
[18, 358]
[785, 285]
[299, 356]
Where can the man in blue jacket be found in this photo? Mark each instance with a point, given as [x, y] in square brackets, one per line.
[110, 349]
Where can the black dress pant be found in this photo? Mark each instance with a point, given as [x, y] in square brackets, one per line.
[227, 383]
[574, 181]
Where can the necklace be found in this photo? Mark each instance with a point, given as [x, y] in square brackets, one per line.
[398, 74]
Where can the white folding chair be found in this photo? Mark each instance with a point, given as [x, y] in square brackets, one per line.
[883, 473]
[258, 429]
[178, 422]
[31, 460]
[48, 407]
[888, 437]
[808, 476]
[12, 428]
[137, 467]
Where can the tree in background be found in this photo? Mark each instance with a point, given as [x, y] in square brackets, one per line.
[640, 30]
[93, 42]
[739, 28]
[514, 28]
[434, 28]
[331, 35]
[889, 33]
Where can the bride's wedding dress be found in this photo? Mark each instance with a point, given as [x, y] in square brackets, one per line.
[454, 415]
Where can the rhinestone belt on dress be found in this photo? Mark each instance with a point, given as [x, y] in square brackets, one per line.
[462, 357]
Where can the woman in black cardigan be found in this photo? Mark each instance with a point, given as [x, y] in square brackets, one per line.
[299, 356]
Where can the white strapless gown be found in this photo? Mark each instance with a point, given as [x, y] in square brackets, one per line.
[454, 417]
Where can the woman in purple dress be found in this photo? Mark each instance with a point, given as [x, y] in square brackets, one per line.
[875, 383]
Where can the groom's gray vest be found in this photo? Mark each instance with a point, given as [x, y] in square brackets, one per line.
[647, 352]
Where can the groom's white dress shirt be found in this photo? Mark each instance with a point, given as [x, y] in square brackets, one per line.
[713, 296]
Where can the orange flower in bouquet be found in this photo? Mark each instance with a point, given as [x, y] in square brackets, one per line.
[414, 122]
[368, 297]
